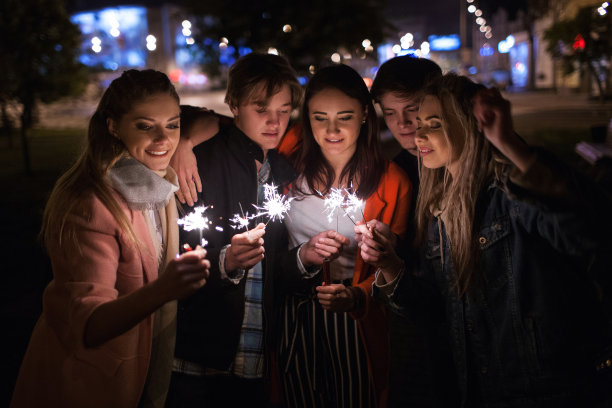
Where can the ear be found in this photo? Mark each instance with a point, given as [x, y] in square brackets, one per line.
[233, 109]
[112, 127]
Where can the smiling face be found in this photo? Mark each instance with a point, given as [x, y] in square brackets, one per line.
[431, 138]
[400, 116]
[335, 119]
[264, 121]
[150, 131]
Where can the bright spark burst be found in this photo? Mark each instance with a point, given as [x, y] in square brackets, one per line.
[341, 198]
[238, 221]
[275, 205]
[196, 220]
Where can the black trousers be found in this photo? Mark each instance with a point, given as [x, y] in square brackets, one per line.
[191, 391]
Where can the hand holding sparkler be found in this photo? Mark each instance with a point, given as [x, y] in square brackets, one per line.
[377, 244]
[246, 249]
[325, 246]
[183, 275]
[336, 298]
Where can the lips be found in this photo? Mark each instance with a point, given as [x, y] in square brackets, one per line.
[270, 134]
[425, 151]
[411, 134]
[334, 140]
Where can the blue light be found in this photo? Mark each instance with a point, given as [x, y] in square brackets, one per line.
[486, 50]
[444, 42]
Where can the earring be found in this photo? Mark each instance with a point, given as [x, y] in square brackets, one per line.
[363, 121]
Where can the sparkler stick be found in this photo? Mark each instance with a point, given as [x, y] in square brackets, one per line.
[196, 220]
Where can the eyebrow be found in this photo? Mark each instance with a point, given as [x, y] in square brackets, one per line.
[429, 117]
[151, 119]
[338, 113]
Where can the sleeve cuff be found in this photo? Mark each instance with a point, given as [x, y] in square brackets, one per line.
[307, 272]
[234, 276]
[387, 288]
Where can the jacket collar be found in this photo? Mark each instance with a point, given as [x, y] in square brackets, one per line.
[281, 171]
[238, 139]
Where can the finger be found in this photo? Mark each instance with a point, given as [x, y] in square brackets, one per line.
[192, 190]
[180, 196]
[197, 181]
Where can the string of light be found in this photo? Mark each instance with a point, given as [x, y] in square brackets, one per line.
[485, 29]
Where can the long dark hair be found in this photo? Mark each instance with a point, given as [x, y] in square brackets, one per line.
[367, 164]
[87, 175]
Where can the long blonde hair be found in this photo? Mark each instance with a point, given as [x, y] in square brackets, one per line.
[87, 176]
[477, 164]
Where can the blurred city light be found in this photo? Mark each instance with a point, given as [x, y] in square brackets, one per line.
[366, 43]
[478, 13]
[272, 50]
[471, 8]
[151, 42]
[335, 57]
[444, 42]
[287, 28]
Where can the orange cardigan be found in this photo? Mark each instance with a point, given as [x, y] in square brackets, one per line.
[390, 204]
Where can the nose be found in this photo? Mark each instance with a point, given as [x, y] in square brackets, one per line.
[273, 119]
[404, 119]
[161, 135]
[421, 134]
[332, 127]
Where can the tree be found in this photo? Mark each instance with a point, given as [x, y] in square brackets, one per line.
[38, 58]
[306, 32]
[584, 41]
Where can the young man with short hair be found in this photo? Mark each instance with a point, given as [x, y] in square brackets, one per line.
[224, 332]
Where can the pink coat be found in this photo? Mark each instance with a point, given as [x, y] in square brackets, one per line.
[57, 370]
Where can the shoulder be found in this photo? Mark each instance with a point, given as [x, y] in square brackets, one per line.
[94, 214]
[394, 178]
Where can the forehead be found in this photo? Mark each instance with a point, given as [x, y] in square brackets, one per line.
[331, 98]
[393, 100]
[259, 95]
[161, 104]
[430, 105]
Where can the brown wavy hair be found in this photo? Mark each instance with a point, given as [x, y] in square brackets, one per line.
[102, 150]
[367, 164]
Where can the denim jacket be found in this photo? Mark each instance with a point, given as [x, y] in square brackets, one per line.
[531, 331]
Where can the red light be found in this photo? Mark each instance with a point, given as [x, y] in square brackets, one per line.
[175, 75]
[578, 43]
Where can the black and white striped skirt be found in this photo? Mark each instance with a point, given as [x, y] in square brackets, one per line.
[322, 359]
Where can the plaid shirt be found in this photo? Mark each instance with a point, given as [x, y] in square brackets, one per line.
[248, 362]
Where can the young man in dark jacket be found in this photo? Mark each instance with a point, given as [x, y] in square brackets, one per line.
[225, 332]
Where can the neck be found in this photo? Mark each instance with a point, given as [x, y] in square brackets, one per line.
[160, 173]
[338, 163]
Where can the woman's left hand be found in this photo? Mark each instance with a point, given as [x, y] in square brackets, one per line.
[335, 297]
[494, 118]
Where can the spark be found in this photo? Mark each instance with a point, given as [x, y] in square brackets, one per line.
[240, 221]
[275, 205]
[342, 198]
[196, 220]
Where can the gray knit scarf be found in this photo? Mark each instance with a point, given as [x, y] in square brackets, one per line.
[140, 186]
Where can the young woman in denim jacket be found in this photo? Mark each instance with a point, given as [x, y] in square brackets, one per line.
[505, 237]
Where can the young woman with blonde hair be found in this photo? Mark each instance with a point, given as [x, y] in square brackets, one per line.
[505, 236]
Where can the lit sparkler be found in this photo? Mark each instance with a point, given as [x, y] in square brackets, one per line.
[196, 220]
[275, 205]
[341, 199]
